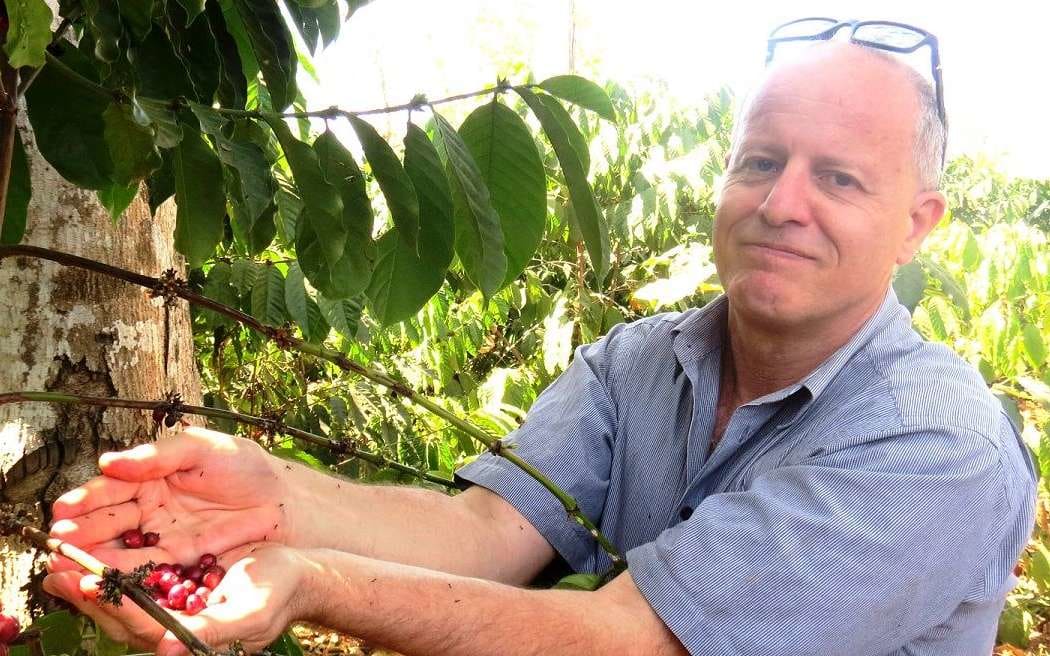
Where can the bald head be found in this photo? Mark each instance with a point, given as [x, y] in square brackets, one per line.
[867, 82]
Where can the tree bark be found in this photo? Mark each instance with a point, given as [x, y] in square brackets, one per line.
[69, 330]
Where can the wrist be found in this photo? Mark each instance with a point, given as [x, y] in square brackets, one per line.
[317, 582]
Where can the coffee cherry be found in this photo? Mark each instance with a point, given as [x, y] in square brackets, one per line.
[8, 629]
[163, 602]
[194, 604]
[208, 560]
[190, 585]
[164, 567]
[177, 597]
[194, 573]
[153, 578]
[178, 569]
[133, 538]
[203, 593]
[213, 577]
[150, 539]
[167, 581]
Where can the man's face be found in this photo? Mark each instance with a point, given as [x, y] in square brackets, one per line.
[821, 198]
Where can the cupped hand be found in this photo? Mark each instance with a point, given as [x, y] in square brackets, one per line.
[202, 491]
[257, 599]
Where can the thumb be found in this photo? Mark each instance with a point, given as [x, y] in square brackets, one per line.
[215, 626]
[158, 459]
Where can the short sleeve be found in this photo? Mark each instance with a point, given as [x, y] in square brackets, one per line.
[852, 552]
[568, 436]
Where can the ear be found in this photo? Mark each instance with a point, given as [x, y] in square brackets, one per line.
[926, 212]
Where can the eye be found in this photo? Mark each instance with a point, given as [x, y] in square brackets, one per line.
[760, 165]
[841, 180]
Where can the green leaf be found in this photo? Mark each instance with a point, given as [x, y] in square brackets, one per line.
[193, 9]
[161, 185]
[302, 308]
[138, 16]
[350, 275]
[580, 91]
[60, 632]
[286, 644]
[322, 203]
[242, 275]
[403, 280]
[19, 191]
[233, 86]
[199, 197]
[194, 45]
[217, 287]
[909, 284]
[949, 285]
[1039, 567]
[343, 314]
[116, 198]
[272, 45]
[165, 123]
[397, 187]
[268, 296]
[106, 646]
[512, 169]
[971, 252]
[1034, 346]
[130, 140]
[67, 122]
[576, 138]
[28, 32]
[588, 216]
[585, 582]
[479, 233]
[158, 72]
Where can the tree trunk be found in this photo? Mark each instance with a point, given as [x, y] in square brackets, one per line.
[70, 330]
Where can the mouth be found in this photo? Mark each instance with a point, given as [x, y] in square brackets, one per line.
[779, 250]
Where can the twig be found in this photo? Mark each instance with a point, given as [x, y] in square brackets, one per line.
[341, 446]
[140, 597]
[170, 287]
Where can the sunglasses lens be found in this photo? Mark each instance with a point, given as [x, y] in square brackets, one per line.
[804, 27]
[889, 35]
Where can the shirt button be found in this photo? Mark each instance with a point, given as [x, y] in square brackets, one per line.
[685, 513]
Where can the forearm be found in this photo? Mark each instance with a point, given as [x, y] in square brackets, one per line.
[401, 524]
[418, 611]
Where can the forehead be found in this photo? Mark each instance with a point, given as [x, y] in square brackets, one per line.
[838, 96]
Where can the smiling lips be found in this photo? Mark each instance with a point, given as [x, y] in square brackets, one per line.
[779, 251]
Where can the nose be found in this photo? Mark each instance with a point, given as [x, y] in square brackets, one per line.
[789, 199]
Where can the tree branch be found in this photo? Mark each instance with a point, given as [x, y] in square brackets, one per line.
[340, 446]
[170, 287]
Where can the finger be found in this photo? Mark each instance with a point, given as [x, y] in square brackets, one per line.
[219, 625]
[97, 493]
[118, 557]
[102, 525]
[67, 586]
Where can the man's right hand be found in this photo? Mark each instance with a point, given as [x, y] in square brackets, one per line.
[202, 491]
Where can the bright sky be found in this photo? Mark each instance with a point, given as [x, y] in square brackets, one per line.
[995, 55]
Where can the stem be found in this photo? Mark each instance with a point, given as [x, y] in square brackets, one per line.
[66, 23]
[8, 115]
[172, 288]
[335, 445]
[142, 599]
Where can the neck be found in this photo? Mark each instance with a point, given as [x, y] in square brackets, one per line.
[758, 359]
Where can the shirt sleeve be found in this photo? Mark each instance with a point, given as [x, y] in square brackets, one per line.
[852, 552]
[568, 436]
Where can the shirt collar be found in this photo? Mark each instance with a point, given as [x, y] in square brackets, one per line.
[700, 331]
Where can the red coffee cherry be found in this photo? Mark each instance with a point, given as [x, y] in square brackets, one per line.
[150, 539]
[203, 592]
[190, 585]
[9, 628]
[177, 597]
[208, 560]
[194, 573]
[133, 538]
[178, 569]
[213, 576]
[194, 604]
[167, 581]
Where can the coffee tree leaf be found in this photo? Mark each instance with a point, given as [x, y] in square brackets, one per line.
[67, 121]
[199, 197]
[160, 186]
[28, 32]
[117, 197]
[192, 8]
[1034, 345]
[233, 85]
[342, 314]
[576, 138]
[510, 165]
[268, 304]
[479, 231]
[217, 287]
[588, 215]
[397, 187]
[194, 46]
[138, 17]
[271, 43]
[322, 203]
[129, 135]
[585, 582]
[909, 284]
[166, 126]
[302, 308]
[157, 70]
[580, 91]
[19, 191]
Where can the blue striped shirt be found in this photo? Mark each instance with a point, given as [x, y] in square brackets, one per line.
[875, 507]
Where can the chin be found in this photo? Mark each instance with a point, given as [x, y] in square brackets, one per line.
[769, 301]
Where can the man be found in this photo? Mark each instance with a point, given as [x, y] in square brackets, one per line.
[790, 469]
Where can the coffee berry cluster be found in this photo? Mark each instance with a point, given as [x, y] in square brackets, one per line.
[136, 539]
[184, 588]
